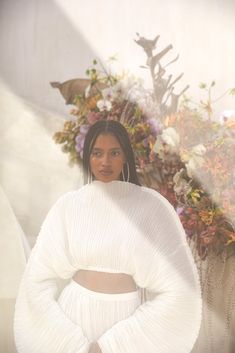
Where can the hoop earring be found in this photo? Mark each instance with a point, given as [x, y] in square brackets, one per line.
[89, 177]
[128, 173]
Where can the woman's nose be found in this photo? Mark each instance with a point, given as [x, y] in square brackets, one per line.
[106, 159]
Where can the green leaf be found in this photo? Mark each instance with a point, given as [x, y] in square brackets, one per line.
[212, 83]
[113, 57]
[232, 92]
[94, 62]
[202, 85]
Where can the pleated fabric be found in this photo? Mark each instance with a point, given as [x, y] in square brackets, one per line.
[96, 312]
[115, 227]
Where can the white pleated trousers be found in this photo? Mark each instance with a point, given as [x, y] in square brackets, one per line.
[96, 312]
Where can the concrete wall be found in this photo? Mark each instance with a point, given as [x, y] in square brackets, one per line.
[48, 40]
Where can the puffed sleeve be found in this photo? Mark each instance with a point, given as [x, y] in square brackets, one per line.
[170, 322]
[40, 326]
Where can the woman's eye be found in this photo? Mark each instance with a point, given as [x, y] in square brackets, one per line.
[115, 153]
[96, 154]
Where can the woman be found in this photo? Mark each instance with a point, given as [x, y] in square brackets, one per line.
[110, 238]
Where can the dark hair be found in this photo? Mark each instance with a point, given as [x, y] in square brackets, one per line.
[119, 131]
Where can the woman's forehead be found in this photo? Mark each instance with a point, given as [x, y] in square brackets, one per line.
[106, 139]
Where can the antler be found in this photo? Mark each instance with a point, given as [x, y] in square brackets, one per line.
[71, 88]
[162, 86]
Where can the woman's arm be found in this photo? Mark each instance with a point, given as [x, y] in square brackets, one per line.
[40, 326]
[171, 321]
[95, 348]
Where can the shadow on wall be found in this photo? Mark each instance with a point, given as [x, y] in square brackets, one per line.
[39, 44]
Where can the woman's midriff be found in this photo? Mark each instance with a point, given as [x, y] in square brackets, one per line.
[105, 282]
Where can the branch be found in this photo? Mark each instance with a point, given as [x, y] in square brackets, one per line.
[155, 59]
[147, 44]
[172, 61]
[177, 79]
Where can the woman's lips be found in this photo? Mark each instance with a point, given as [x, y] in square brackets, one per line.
[106, 172]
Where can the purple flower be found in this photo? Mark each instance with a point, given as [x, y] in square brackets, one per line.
[146, 142]
[179, 210]
[79, 142]
[81, 138]
[155, 126]
[84, 129]
[79, 147]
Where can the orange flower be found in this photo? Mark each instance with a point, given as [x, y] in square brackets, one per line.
[170, 120]
[207, 216]
[91, 101]
[227, 206]
[232, 238]
[208, 240]
[230, 124]
[216, 168]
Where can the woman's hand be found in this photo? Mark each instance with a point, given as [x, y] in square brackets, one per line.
[95, 348]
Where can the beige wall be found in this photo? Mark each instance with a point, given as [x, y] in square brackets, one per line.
[46, 40]
[42, 41]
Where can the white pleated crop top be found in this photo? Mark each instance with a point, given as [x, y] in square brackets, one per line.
[114, 227]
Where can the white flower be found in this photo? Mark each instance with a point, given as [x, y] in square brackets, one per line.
[108, 93]
[118, 90]
[158, 146]
[225, 116]
[104, 104]
[148, 105]
[129, 81]
[181, 185]
[193, 164]
[135, 94]
[193, 159]
[199, 150]
[129, 87]
[171, 137]
[87, 91]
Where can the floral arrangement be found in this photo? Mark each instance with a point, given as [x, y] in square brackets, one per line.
[179, 150]
[109, 97]
[204, 184]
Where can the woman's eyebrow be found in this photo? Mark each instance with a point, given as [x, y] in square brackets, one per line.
[100, 149]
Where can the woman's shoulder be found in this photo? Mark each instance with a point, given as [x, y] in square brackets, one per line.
[156, 197]
[69, 196]
[145, 195]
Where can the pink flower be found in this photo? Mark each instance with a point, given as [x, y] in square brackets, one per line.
[92, 117]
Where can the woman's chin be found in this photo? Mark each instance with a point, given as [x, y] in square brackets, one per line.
[106, 178]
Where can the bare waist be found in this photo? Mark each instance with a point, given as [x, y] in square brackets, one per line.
[105, 282]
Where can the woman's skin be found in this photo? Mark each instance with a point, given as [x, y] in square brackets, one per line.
[106, 162]
[107, 158]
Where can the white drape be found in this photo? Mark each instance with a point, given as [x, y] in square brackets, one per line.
[33, 177]
[33, 174]
[14, 253]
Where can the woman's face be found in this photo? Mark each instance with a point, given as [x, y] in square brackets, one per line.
[107, 158]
